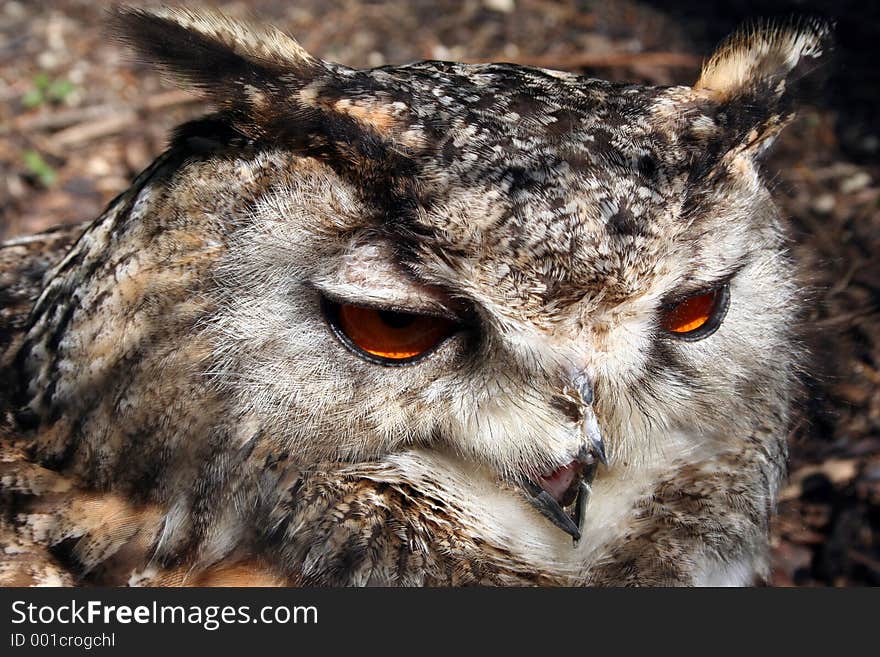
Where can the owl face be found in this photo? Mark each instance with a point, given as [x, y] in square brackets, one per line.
[522, 267]
[550, 277]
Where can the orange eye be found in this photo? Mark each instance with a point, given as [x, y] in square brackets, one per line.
[388, 336]
[697, 316]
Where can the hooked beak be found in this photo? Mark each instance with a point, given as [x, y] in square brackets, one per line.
[562, 496]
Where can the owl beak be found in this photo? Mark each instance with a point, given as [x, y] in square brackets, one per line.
[589, 423]
[562, 496]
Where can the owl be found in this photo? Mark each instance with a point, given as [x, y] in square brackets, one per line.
[429, 324]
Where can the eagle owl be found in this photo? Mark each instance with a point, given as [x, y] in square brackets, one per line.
[412, 325]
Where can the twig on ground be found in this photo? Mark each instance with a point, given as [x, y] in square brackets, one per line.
[84, 132]
[80, 117]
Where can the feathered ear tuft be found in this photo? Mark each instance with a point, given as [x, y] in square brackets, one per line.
[747, 85]
[198, 45]
[762, 55]
[236, 65]
[265, 84]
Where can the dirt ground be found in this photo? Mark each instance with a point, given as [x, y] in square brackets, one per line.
[78, 119]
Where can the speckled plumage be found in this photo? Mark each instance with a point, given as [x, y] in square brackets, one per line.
[180, 412]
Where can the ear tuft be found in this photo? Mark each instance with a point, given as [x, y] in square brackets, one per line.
[210, 50]
[762, 55]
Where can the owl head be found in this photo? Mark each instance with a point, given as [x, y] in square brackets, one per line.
[547, 276]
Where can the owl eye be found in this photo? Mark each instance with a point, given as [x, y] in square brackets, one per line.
[697, 316]
[387, 337]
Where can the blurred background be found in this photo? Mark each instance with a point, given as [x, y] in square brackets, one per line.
[78, 119]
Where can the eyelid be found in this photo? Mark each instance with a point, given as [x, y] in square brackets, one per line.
[369, 273]
[679, 295]
[403, 303]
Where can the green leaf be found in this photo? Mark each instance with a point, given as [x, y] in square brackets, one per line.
[41, 81]
[36, 165]
[33, 98]
[60, 89]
